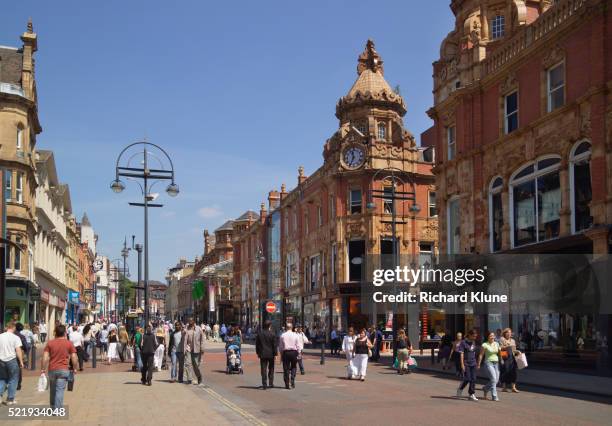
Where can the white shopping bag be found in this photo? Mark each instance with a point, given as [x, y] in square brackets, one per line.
[42, 382]
[521, 361]
[130, 353]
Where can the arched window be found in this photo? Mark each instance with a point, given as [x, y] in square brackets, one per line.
[19, 140]
[580, 186]
[535, 199]
[496, 214]
[382, 131]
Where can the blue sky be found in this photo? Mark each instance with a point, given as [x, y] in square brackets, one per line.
[239, 93]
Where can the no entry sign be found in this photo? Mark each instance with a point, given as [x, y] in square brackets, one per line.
[270, 307]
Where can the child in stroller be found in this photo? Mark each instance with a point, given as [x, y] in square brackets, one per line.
[233, 354]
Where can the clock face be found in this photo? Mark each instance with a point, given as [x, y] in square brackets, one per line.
[353, 157]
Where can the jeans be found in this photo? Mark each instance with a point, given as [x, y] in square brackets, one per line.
[469, 377]
[146, 372]
[12, 371]
[137, 357]
[57, 385]
[493, 371]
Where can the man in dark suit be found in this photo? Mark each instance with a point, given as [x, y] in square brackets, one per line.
[266, 346]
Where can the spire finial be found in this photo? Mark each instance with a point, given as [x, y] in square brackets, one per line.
[370, 59]
[30, 26]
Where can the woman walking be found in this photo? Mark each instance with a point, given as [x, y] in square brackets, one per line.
[303, 340]
[123, 342]
[508, 354]
[360, 353]
[158, 358]
[112, 346]
[404, 349]
[454, 354]
[467, 357]
[490, 352]
[446, 347]
[348, 344]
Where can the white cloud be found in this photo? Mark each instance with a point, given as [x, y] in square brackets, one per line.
[210, 212]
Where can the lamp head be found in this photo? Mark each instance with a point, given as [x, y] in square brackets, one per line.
[415, 208]
[172, 190]
[117, 186]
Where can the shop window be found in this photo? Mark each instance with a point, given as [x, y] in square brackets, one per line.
[498, 26]
[496, 214]
[580, 186]
[556, 86]
[450, 141]
[355, 201]
[433, 212]
[356, 255]
[511, 112]
[535, 203]
[454, 227]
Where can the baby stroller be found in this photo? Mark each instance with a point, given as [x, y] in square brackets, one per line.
[233, 360]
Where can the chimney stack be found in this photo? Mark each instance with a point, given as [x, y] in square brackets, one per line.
[262, 213]
[301, 176]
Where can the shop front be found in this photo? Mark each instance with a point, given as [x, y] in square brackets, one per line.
[17, 301]
[72, 307]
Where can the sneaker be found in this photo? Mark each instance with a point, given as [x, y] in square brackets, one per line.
[459, 392]
[473, 397]
[11, 402]
[495, 399]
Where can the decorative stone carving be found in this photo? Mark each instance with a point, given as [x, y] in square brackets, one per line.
[370, 59]
[556, 54]
[509, 84]
[430, 231]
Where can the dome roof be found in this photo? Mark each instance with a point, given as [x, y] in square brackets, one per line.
[371, 88]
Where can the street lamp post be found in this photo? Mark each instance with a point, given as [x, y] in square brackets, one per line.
[393, 175]
[148, 175]
[125, 251]
[116, 263]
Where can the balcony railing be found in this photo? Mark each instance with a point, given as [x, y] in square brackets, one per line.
[13, 89]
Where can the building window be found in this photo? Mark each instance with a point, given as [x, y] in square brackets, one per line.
[382, 131]
[332, 207]
[17, 265]
[19, 141]
[19, 187]
[320, 215]
[432, 204]
[511, 112]
[356, 257]
[556, 86]
[315, 272]
[498, 26]
[8, 189]
[496, 214]
[388, 199]
[334, 255]
[306, 227]
[295, 222]
[450, 140]
[580, 186]
[387, 260]
[355, 201]
[454, 227]
[535, 194]
[362, 127]
[426, 253]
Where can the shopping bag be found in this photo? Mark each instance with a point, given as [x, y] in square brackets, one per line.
[412, 362]
[521, 361]
[396, 363]
[130, 352]
[70, 381]
[42, 382]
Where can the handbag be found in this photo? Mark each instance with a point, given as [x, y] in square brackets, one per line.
[70, 381]
[412, 363]
[505, 354]
[396, 363]
[42, 382]
[521, 361]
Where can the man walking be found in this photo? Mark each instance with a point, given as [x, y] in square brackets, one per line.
[76, 338]
[11, 361]
[147, 350]
[195, 341]
[55, 361]
[289, 347]
[176, 349]
[266, 348]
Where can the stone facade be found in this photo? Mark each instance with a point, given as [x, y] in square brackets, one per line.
[19, 127]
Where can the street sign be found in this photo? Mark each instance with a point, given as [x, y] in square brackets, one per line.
[270, 307]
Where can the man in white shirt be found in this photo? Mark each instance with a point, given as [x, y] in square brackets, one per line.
[11, 360]
[289, 347]
[76, 337]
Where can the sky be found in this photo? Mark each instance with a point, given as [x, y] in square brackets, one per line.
[240, 94]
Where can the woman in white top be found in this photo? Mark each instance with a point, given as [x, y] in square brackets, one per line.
[303, 340]
[348, 344]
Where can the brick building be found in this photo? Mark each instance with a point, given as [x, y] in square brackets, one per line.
[523, 138]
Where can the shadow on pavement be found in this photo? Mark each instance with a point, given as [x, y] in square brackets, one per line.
[132, 383]
[252, 387]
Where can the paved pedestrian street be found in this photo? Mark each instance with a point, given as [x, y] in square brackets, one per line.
[112, 396]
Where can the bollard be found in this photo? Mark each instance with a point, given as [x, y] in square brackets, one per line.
[33, 358]
[93, 354]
